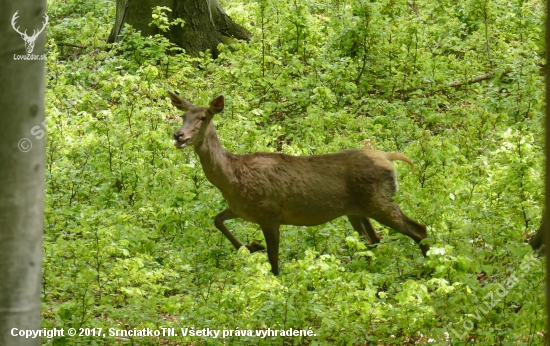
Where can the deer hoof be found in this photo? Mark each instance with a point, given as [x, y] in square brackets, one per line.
[425, 248]
[253, 247]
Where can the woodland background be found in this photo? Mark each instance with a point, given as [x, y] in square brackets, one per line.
[457, 86]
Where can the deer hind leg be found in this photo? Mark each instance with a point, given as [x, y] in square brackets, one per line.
[271, 234]
[225, 215]
[362, 225]
[393, 217]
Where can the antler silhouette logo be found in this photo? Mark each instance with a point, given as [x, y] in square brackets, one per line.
[29, 40]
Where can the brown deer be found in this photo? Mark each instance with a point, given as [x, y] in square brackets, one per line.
[273, 189]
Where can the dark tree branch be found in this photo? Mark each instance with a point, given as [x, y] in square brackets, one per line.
[454, 84]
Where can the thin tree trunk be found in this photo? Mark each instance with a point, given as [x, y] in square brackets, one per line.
[21, 171]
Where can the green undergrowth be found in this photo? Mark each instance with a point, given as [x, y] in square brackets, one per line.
[129, 240]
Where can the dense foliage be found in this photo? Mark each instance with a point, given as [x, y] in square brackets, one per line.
[129, 234]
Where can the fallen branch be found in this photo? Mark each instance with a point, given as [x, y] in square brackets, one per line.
[454, 84]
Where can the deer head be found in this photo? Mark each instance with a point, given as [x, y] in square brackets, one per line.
[29, 40]
[195, 120]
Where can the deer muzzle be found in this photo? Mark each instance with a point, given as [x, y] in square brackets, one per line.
[179, 142]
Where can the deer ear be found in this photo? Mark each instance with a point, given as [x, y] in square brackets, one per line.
[177, 101]
[217, 104]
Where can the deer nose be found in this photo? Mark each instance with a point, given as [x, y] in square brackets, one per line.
[178, 135]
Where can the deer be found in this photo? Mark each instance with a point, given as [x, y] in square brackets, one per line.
[274, 189]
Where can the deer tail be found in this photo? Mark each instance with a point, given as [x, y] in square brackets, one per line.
[399, 157]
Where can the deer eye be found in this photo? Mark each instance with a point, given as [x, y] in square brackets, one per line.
[203, 118]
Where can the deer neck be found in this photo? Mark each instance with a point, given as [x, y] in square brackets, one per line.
[214, 159]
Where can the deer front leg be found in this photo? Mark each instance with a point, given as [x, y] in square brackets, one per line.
[225, 215]
[271, 234]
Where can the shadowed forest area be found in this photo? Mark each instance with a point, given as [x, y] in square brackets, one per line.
[129, 235]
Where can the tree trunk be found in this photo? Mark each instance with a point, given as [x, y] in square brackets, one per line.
[21, 169]
[205, 23]
[137, 13]
[538, 239]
